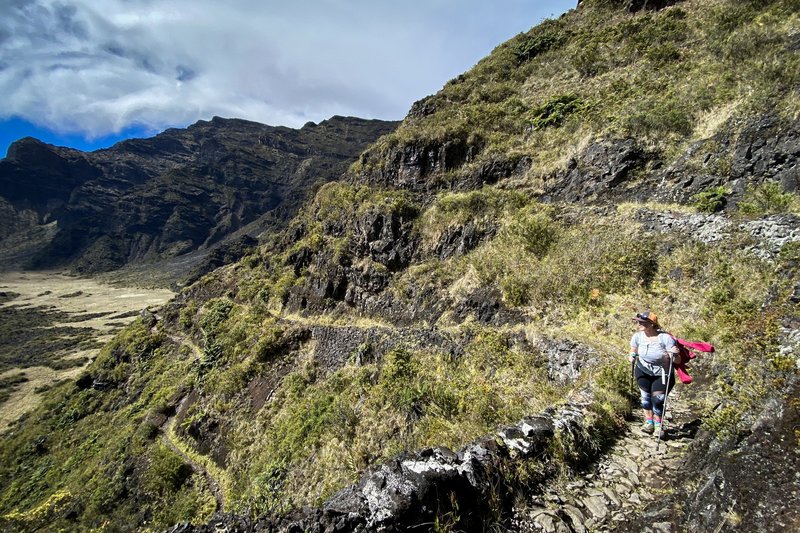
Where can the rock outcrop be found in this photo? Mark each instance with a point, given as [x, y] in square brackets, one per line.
[599, 172]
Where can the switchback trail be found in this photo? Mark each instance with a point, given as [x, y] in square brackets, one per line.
[168, 438]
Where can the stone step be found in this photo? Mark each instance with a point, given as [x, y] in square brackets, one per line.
[549, 522]
[618, 485]
[628, 464]
[575, 518]
[612, 497]
[596, 505]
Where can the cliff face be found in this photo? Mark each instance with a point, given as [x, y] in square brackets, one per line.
[177, 192]
[440, 336]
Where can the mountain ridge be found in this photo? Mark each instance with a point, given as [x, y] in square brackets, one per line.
[140, 199]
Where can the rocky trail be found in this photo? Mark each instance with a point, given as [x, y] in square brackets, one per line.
[633, 473]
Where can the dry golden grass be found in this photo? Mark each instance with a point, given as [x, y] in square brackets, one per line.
[710, 122]
[630, 208]
[791, 108]
[54, 289]
[75, 296]
[25, 397]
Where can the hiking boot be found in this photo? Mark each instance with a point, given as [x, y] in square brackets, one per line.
[648, 428]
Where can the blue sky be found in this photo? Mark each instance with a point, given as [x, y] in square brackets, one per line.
[15, 128]
[87, 73]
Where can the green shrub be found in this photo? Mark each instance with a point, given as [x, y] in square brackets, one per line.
[166, 472]
[589, 60]
[665, 53]
[211, 354]
[486, 201]
[555, 111]
[216, 312]
[535, 230]
[516, 289]
[547, 35]
[282, 285]
[269, 343]
[790, 253]
[766, 199]
[266, 490]
[398, 373]
[711, 200]
[187, 315]
[664, 114]
[743, 381]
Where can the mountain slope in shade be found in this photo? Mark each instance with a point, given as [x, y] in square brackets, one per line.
[165, 196]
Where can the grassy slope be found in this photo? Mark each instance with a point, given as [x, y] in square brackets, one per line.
[91, 457]
[665, 78]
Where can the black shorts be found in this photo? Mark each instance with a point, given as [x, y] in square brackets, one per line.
[653, 384]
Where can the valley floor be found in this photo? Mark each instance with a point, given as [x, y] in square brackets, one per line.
[53, 325]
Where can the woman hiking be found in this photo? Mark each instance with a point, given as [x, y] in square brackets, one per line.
[652, 350]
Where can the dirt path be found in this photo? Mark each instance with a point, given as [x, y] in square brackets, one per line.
[180, 340]
[628, 477]
[170, 439]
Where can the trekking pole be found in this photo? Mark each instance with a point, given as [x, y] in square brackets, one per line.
[664, 410]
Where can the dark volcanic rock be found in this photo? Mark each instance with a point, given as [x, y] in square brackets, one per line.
[764, 149]
[182, 190]
[433, 166]
[484, 303]
[458, 240]
[566, 359]
[386, 238]
[410, 165]
[768, 149]
[599, 172]
[381, 242]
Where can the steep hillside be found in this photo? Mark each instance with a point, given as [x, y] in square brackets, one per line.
[439, 339]
[603, 104]
[166, 196]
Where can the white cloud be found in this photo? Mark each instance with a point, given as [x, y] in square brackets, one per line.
[98, 66]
